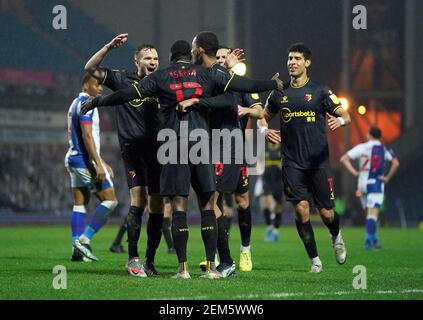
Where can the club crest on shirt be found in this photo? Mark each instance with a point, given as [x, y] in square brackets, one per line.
[132, 174]
[288, 190]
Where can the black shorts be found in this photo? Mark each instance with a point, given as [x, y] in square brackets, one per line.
[272, 182]
[303, 184]
[243, 181]
[141, 165]
[175, 179]
[227, 176]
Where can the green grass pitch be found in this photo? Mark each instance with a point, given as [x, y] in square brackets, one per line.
[281, 270]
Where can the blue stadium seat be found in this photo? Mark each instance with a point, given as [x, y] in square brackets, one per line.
[55, 50]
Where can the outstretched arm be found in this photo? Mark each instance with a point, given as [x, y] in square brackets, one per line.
[242, 84]
[93, 68]
[116, 98]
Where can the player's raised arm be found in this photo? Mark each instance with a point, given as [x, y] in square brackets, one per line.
[93, 65]
[234, 57]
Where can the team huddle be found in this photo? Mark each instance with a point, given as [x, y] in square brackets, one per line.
[199, 92]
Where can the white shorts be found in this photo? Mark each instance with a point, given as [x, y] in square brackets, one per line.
[82, 177]
[371, 200]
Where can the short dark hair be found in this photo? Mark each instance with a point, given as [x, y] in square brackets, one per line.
[180, 50]
[301, 48]
[375, 132]
[87, 77]
[208, 41]
[144, 46]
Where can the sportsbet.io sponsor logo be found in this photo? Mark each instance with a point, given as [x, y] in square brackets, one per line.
[287, 115]
[139, 102]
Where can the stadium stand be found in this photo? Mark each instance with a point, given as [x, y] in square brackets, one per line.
[54, 50]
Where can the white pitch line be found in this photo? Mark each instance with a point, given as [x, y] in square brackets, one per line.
[300, 294]
[412, 291]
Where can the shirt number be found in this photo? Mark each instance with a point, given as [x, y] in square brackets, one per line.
[179, 90]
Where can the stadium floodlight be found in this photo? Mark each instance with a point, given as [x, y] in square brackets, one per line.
[362, 110]
[240, 69]
[345, 103]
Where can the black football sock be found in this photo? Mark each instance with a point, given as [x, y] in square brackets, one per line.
[277, 221]
[180, 234]
[154, 234]
[267, 217]
[167, 232]
[222, 240]
[134, 221]
[229, 224]
[244, 221]
[305, 231]
[332, 224]
[209, 233]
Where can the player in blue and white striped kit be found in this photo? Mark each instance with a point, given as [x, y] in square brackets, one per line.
[88, 172]
[372, 156]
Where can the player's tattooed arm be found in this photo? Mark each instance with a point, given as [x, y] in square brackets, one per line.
[93, 67]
